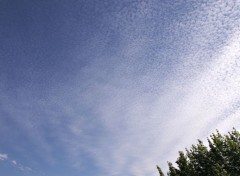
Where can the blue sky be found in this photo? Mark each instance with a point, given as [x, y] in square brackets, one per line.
[113, 87]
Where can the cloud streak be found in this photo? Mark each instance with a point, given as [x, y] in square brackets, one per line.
[14, 163]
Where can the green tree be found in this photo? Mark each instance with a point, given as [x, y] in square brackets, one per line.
[220, 158]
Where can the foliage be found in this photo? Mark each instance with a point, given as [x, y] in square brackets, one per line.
[220, 158]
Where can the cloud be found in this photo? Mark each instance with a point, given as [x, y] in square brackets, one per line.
[24, 169]
[147, 120]
[14, 162]
[20, 166]
[3, 157]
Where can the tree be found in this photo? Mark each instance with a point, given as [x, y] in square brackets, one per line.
[220, 158]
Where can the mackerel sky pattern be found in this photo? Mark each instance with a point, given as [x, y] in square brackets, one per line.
[113, 88]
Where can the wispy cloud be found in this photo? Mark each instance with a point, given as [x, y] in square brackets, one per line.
[20, 167]
[14, 162]
[3, 157]
[146, 123]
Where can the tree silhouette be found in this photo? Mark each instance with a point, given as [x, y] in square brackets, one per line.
[220, 158]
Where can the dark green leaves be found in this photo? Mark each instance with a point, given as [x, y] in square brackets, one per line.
[220, 158]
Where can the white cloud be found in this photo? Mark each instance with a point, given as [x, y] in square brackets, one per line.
[3, 156]
[20, 166]
[14, 162]
[143, 128]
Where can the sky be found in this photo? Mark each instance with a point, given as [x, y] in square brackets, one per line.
[112, 88]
